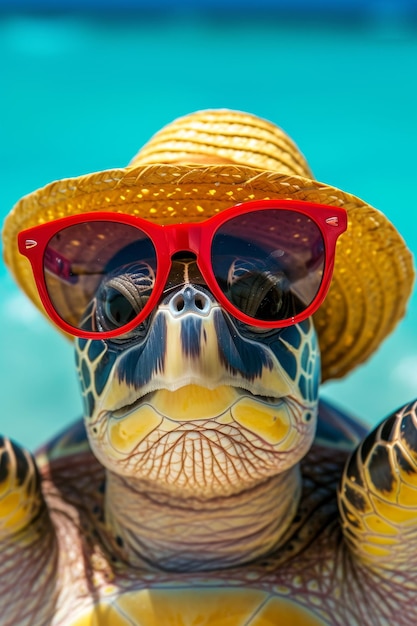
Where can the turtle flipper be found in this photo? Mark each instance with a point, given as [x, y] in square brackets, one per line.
[21, 500]
[27, 542]
[378, 494]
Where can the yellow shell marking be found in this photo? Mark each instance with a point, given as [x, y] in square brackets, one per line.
[10, 503]
[20, 502]
[198, 607]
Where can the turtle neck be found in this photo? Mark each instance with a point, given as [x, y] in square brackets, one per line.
[153, 526]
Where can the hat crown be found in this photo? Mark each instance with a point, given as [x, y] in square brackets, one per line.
[223, 136]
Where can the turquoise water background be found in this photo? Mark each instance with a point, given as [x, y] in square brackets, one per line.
[80, 93]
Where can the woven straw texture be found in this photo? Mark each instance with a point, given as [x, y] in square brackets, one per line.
[373, 274]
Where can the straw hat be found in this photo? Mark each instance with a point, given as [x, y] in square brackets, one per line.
[208, 161]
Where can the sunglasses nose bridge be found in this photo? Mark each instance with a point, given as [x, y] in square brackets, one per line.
[183, 238]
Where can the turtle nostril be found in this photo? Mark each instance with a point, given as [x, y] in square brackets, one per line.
[199, 303]
[189, 300]
[179, 303]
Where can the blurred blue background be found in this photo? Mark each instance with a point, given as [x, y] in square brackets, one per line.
[82, 90]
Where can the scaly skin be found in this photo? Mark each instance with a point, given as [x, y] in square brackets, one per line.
[28, 548]
[201, 500]
[312, 579]
[378, 497]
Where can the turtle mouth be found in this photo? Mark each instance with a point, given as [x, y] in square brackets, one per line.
[199, 401]
[228, 417]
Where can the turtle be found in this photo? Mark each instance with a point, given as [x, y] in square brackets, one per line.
[207, 483]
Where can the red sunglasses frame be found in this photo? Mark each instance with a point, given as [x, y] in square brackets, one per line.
[190, 237]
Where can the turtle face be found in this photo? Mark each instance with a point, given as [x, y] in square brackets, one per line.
[196, 401]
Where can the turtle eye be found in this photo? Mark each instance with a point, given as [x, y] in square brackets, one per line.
[256, 290]
[117, 309]
[269, 263]
[123, 294]
[98, 274]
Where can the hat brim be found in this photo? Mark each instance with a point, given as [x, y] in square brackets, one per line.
[373, 273]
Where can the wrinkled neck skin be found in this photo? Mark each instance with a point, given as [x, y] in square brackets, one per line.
[200, 423]
[189, 534]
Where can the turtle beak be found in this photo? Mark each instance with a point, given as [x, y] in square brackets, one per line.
[191, 341]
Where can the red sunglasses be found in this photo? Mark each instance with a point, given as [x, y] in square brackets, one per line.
[269, 263]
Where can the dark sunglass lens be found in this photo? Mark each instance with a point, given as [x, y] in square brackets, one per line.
[269, 263]
[99, 274]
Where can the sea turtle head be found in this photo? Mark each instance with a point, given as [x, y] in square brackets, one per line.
[196, 401]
